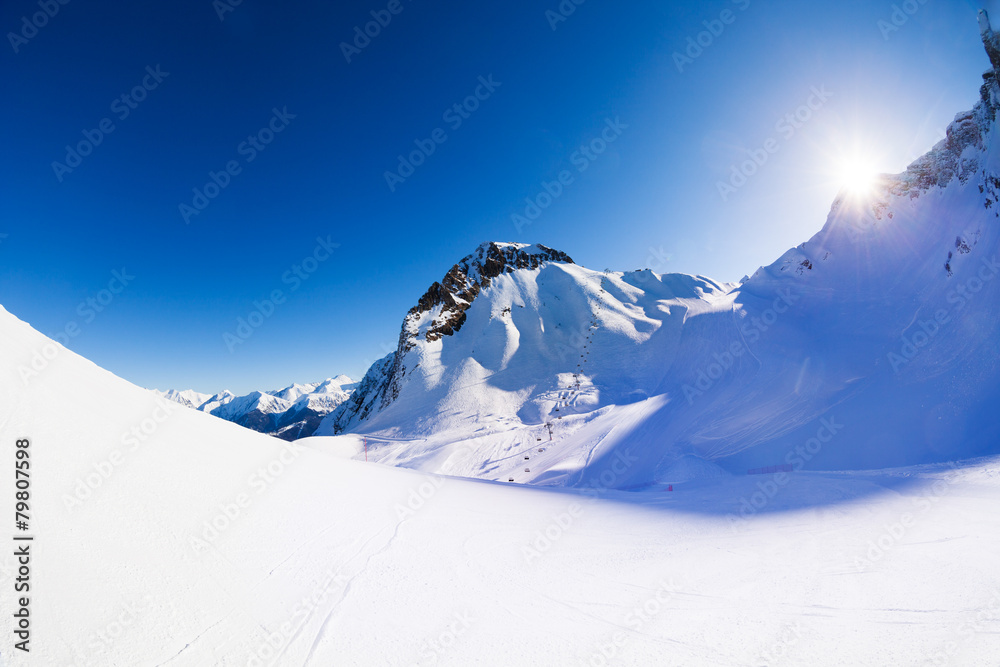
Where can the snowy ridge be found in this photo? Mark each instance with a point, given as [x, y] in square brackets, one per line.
[160, 541]
[289, 413]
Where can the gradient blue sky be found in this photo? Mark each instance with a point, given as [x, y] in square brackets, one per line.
[654, 188]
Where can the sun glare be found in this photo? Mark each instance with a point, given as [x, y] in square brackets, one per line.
[857, 176]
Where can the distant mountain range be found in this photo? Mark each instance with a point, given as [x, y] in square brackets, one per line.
[290, 413]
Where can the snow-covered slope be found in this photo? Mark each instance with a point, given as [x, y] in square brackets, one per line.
[872, 344]
[293, 412]
[163, 535]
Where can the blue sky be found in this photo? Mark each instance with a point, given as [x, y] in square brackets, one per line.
[267, 92]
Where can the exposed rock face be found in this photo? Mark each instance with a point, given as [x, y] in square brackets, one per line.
[990, 40]
[367, 396]
[948, 158]
[439, 312]
[462, 283]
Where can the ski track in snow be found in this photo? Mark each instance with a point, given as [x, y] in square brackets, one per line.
[320, 635]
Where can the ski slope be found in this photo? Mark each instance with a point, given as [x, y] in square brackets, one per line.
[632, 534]
[328, 560]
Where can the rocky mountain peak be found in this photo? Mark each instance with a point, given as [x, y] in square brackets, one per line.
[465, 279]
[948, 158]
[990, 40]
[439, 312]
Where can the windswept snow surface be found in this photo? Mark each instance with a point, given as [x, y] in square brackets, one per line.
[165, 536]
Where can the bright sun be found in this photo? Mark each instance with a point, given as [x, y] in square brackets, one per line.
[857, 176]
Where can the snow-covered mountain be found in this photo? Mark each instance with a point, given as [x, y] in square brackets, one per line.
[290, 413]
[159, 535]
[191, 541]
[188, 398]
[872, 344]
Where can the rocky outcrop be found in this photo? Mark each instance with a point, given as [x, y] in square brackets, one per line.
[438, 313]
[366, 399]
[949, 158]
[990, 40]
[456, 291]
